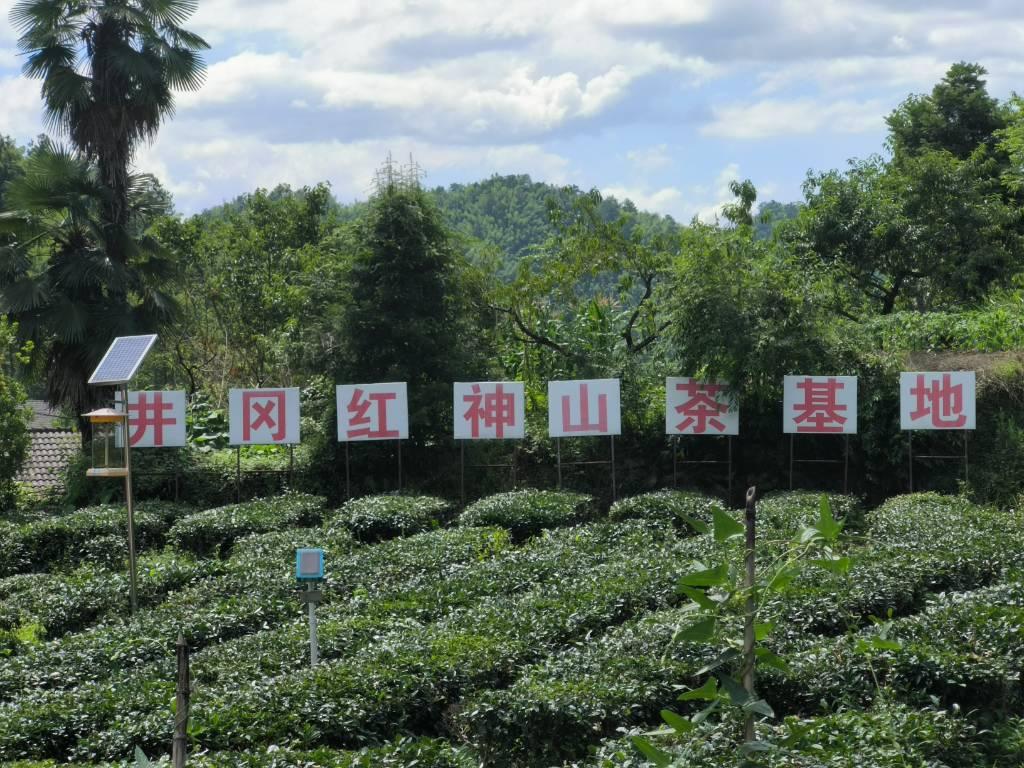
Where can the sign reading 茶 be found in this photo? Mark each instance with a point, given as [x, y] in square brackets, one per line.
[694, 407]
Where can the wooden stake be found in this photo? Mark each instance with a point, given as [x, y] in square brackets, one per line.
[751, 606]
[179, 746]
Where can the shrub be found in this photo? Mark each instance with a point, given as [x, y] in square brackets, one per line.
[376, 518]
[401, 753]
[527, 513]
[215, 530]
[786, 512]
[667, 505]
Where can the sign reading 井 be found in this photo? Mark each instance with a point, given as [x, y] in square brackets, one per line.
[819, 405]
[937, 400]
[584, 408]
[694, 407]
[155, 419]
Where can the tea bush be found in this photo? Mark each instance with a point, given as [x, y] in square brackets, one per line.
[376, 518]
[215, 530]
[527, 513]
[667, 505]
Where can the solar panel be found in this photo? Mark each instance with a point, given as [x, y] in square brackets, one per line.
[122, 359]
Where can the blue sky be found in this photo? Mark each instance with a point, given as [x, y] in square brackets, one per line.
[660, 101]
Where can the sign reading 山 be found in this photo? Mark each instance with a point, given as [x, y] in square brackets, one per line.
[584, 408]
[937, 400]
[266, 416]
[819, 405]
[373, 412]
[490, 410]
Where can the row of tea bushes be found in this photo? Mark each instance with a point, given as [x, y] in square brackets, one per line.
[377, 518]
[527, 513]
[86, 534]
[213, 531]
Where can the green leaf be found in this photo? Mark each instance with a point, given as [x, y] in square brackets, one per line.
[701, 632]
[771, 659]
[698, 525]
[699, 596]
[838, 565]
[761, 631]
[725, 527]
[827, 524]
[725, 657]
[760, 706]
[707, 692]
[737, 693]
[680, 724]
[782, 578]
[703, 715]
[711, 577]
[657, 756]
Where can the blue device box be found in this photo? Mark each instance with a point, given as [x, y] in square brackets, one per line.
[309, 564]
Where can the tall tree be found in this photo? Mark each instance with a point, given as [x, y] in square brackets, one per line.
[109, 70]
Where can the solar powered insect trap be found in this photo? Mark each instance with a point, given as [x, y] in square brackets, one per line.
[117, 368]
[309, 570]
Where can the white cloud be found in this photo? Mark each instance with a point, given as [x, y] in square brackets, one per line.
[649, 158]
[22, 110]
[776, 117]
[703, 201]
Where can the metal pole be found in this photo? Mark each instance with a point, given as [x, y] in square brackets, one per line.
[132, 595]
[462, 471]
[729, 439]
[558, 448]
[910, 454]
[613, 466]
[179, 745]
[791, 462]
[399, 466]
[314, 650]
[348, 475]
[967, 477]
[238, 474]
[751, 606]
[846, 463]
[291, 464]
[675, 461]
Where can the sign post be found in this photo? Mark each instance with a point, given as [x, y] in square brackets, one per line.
[585, 408]
[700, 408]
[820, 405]
[368, 412]
[488, 410]
[309, 569]
[937, 401]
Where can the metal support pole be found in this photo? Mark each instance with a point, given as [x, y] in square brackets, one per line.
[132, 594]
[314, 649]
[613, 466]
[291, 464]
[846, 463]
[238, 473]
[729, 439]
[348, 475]
[967, 477]
[558, 449]
[462, 471]
[910, 454]
[749, 612]
[179, 745]
[791, 462]
[675, 461]
[399, 466]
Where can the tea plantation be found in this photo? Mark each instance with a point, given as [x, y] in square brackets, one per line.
[529, 629]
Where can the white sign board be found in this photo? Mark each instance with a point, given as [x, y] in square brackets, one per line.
[263, 416]
[694, 407]
[584, 408]
[820, 405]
[490, 410]
[155, 419]
[373, 412]
[937, 400]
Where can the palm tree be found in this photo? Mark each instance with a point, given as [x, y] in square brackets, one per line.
[57, 279]
[109, 70]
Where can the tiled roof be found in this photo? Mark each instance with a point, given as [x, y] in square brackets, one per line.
[43, 416]
[48, 455]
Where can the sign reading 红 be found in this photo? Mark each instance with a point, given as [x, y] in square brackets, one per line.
[694, 407]
[937, 400]
[489, 410]
[155, 419]
[372, 412]
[819, 405]
[584, 408]
[266, 416]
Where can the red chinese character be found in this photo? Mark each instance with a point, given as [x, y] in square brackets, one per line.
[145, 414]
[584, 424]
[701, 409]
[359, 415]
[819, 412]
[496, 409]
[941, 400]
[263, 408]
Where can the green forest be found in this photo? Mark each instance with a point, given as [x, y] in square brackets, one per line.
[480, 609]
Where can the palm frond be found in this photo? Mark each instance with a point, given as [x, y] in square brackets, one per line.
[169, 12]
[25, 295]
